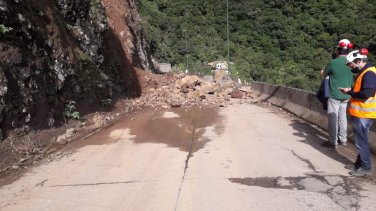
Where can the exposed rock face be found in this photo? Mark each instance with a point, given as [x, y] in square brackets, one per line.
[124, 21]
[58, 50]
[88, 23]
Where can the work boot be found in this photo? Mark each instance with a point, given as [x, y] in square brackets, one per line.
[352, 166]
[342, 143]
[360, 171]
[329, 145]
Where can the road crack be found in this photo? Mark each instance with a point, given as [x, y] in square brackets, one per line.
[186, 163]
[309, 163]
[41, 183]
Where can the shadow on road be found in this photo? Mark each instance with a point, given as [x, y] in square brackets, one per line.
[314, 137]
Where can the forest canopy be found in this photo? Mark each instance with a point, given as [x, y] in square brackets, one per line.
[282, 42]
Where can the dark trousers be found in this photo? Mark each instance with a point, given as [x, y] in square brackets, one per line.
[361, 128]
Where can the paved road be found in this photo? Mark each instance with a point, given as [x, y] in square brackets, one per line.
[244, 157]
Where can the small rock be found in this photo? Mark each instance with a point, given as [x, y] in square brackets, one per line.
[21, 18]
[166, 106]
[256, 100]
[62, 139]
[27, 118]
[23, 160]
[70, 132]
[176, 91]
[100, 59]
[26, 129]
[50, 122]
[14, 124]
[77, 89]
[184, 89]
[246, 89]
[236, 94]
[175, 104]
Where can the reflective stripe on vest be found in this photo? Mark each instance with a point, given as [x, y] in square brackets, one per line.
[363, 108]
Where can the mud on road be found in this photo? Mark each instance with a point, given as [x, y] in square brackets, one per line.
[241, 157]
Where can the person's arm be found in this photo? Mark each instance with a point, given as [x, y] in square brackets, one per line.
[364, 93]
[327, 70]
[367, 89]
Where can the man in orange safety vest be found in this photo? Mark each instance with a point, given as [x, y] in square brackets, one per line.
[362, 108]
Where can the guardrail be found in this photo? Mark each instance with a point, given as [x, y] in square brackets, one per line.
[303, 104]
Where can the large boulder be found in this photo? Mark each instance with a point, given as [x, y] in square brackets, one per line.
[205, 89]
[190, 79]
[221, 75]
[236, 94]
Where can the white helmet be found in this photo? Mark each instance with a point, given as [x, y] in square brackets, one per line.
[361, 54]
[345, 44]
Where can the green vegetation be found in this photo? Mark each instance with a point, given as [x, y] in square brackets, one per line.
[69, 27]
[4, 29]
[70, 110]
[280, 42]
[106, 102]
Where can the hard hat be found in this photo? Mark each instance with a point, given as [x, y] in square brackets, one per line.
[361, 54]
[345, 44]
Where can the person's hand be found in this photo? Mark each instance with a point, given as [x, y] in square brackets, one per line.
[322, 72]
[345, 90]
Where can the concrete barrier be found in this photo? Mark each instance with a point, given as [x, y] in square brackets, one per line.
[303, 104]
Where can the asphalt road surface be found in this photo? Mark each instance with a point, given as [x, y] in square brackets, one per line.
[243, 157]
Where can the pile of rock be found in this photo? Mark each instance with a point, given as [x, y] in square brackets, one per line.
[183, 90]
[175, 90]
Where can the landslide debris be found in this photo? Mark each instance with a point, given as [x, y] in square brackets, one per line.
[175, 90]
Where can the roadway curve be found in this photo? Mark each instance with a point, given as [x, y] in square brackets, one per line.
[242, 157]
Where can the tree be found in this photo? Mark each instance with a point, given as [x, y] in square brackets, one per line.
[277, 41]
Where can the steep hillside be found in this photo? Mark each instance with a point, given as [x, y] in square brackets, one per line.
[280, 42]
[62, 60]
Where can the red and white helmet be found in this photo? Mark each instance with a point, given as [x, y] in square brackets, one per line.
[345, 44]
[361, 54]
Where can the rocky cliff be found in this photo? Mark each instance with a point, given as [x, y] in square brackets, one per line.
[58, 51]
